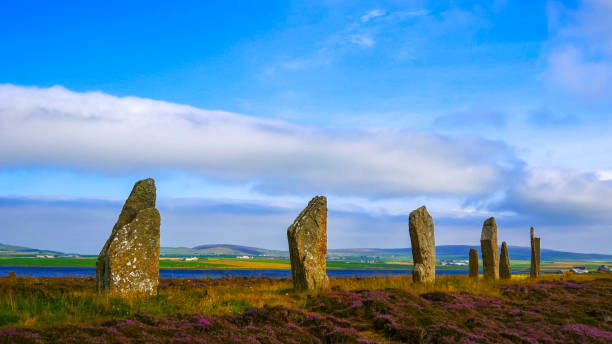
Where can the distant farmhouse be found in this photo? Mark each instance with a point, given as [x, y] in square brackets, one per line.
[604, 268]
[579, 270]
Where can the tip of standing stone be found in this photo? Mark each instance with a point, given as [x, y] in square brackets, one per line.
[422, 210]
[489, 229]
[144, 190]
[147, 182]
[318, 199]
[317, 202]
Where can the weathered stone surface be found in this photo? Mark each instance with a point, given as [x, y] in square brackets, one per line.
[488, 246]
[473, 263]
[505, 271]
[129, 261]
[307, 238]
[534, 270]
[421, 228]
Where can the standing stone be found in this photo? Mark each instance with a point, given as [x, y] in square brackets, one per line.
[505, 272]
[129, 261]
[534, 271]
[307, 238]
[488, 245]
[473, 263]
[421, 228]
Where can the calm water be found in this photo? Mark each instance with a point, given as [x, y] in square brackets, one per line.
[59, 271]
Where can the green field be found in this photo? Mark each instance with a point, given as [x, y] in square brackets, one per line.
[205, 263]
[265, 263]
[19, 261]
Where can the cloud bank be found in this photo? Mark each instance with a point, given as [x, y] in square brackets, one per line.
[47, 223]
[560, 196]
[61, 128]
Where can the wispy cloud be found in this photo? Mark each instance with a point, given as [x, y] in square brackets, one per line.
[416, 13]
[356, 34]
[373, 14]
[362, 40]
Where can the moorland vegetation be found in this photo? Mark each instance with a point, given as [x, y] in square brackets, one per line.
[550, 309]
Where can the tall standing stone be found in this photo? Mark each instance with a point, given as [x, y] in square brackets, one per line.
[505, 272]
[421, 228]
[488, 245]
[473, 263]
[129, 261]
[307, 238]
[534, 271]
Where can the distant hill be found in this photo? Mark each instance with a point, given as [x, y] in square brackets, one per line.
[522, 253]
[221, 250]
[457, 252]
[10, 250]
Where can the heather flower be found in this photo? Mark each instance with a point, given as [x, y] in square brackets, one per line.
[577, 330]
[203, 322]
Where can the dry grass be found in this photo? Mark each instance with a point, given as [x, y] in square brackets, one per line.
[45, 301]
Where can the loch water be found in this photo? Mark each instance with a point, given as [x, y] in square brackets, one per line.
[69, 271]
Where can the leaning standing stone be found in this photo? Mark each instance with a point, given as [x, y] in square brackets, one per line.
[307, 238]
[421, 228]
[473, 263]
[129, 261]
[488, 245]
[534, 271]
[504, 263]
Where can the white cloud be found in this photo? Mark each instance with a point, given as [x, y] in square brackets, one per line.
[362, 40]
[604, 175]
[60, 128]
[562, 196]
[579, 53]
[372, 14]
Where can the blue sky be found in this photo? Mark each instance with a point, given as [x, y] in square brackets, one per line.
[243, 111]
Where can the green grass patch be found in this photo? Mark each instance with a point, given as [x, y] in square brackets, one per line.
[47, 261]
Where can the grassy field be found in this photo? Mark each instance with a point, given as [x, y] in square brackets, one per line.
[29, 261]
[555, 309]
[265, 263]
[204, 263]
[28, 301]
